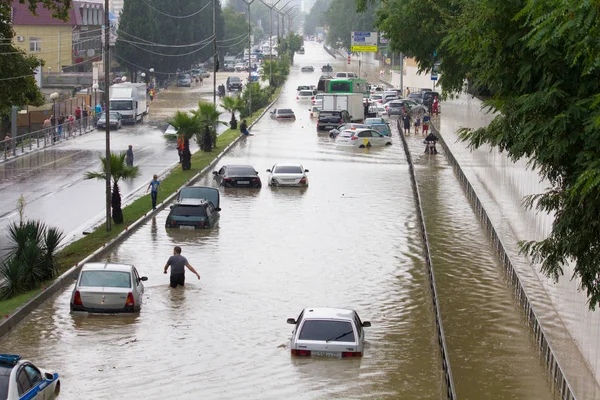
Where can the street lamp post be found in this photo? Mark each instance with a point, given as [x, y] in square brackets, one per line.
[286, 14]
[143, 77]
[280, 13]
[107, 113]
[270, 37]
[249, 58]
[95, 87]
[152, 76]
[215, 55]
[53, 96]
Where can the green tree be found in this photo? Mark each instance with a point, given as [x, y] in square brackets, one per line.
[118, 170]
[342, 20]
[208, 116]
[188, 125]
[233, 104]
[236, 32]
[275, 71]
[542, 63]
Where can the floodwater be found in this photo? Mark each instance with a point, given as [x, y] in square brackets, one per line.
[488, 341]
[351, 239]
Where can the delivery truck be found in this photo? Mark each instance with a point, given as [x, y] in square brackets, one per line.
[129, 100]
[351, 102]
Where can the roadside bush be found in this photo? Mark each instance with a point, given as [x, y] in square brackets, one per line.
[31, 257]
[256, 96]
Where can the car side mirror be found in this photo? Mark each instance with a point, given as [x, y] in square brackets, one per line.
[291, 321]
[268, 170]
[305, 170]
[366, 324]
[144, 278]
[172, 206]
[215, 173]
[48, 376]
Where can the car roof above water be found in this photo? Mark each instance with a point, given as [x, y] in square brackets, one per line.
[106, 267]
[328, 313]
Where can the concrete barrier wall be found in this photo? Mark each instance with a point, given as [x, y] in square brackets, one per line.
[548, 354]
[448, 380]
[68, 277]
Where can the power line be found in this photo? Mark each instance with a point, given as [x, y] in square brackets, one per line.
[235, 38]
[16, 77]
[233, 45]
[177, 16]
[168, 55]
[149, 43]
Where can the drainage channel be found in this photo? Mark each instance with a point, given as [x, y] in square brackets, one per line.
[487, 338]
[447, 371]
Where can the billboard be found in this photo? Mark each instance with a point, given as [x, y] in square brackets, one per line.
[363, 42]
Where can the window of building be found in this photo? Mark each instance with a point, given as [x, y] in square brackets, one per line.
[35, 44]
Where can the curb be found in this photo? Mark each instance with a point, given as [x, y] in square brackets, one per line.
[10, 321]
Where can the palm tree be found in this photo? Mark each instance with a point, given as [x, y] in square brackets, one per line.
[187, 125]
[118, 170]
[275, 71]
[233, 104]
[208, 117]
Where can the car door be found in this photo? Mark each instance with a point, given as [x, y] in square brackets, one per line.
[378, 139]
[139, 286]
[31, 384]
[213, 214]
[364, 138]
[220, 175]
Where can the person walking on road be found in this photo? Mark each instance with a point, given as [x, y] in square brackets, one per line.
[406, 123]
[407, 91]
[178, 263]
[129, 156]
[154, 184]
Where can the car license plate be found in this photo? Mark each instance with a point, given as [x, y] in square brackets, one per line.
[289, 180]
[243, 182]
[187, 227]
[326, 354]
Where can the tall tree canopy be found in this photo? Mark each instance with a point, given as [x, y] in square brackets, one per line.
[316, 16]
[542, 62]
[342, 20]
[17, 85]
[166, 34]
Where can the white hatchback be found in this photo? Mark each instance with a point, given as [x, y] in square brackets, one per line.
[288, 175]
[363, 138]
[328, 332]
[304, 95]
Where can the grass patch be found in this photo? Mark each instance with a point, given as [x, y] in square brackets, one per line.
[8, 306]
[78, 250]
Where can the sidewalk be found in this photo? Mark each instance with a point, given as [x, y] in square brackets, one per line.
[42, 139]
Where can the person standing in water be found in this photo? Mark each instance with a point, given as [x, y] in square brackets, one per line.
[178, 263]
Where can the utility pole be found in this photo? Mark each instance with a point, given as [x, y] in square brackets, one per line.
[271, 36]
[249, 58]
[401, 71]
[215, 55]
[107, 108]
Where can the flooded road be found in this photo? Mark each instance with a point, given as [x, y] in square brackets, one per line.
[51, 180]
[350, 240]
[488, 341]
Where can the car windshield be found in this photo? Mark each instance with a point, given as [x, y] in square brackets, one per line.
[288, 169]
[188, 211]
[346, 134]
[243, 171]
[381, 128]
[116, 279]
[234, 79]
[322, 330]
[414, 95]
[121, 105]
[306, 93]
[186, 76]
[326, 115]
[376, 96]
[284, 111]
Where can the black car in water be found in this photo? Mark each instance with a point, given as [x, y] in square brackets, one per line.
[234, 83]
[237, 176]
[193, 213]
[332, 119]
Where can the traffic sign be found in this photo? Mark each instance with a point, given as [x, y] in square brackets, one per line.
[434, 77]
[363, 42]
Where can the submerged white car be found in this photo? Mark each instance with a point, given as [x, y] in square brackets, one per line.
[362, 138]
[288, 175]
[108, 288]
[328, 332]
[20, 379]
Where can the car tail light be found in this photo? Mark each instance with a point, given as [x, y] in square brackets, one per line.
[301, 352]
[200, 224]
[173, 222]
[297, 98]
[354, 138]
[256, 180]
[341, 120]
[303, 180]
[351, 354]
[227, 179]
[77, 299]
[130, 302]
[313, 98]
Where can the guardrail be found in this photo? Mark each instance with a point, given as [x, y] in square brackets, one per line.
[448, 380]
[329, 51]
[45, 137]
[546, 351]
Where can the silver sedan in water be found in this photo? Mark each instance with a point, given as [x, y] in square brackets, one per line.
[108, 288]
[288, 175]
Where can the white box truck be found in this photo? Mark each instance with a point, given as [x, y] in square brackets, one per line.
[351, 102]
[129, 100]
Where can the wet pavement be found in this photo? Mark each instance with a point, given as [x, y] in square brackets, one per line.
[351, 239]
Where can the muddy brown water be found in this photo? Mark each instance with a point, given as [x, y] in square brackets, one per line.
[350, 239]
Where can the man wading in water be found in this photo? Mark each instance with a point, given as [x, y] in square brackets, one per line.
[178, 264]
